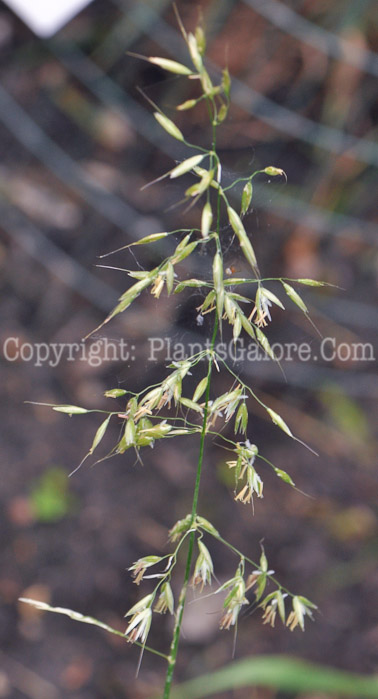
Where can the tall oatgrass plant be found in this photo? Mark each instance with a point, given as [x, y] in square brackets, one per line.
[197, 415]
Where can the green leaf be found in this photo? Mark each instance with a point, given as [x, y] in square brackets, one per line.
[281, 605]
[129, 296]
[209, 301]
[310, 282]
[195, 283]
[244, 241]
[277, 419]
[149, 239]
[236, 280]
[169, 276]
[226, 82]
[99, 434]
[130, 432]
[200, 390]
[218, 282]
[284, 476]
[76, 616]
[263, 562]
[272, 297]
[292, 294]
[222, 114]
[186, 166]
[70, 409]
[182, 244]
[247, 326]
[237, 327]
[171, 66]
[188, 104]
[274, 171]
[246, 197]
[206, 525]
[184, 252]
[119, 308]
[238, 297]
[279, 672]
[195, 52]
[260, 587]
[200, 187]
[169, 126]
[138, 274]
[115, 393]
[206, 220]
[264, 342]
[200, 39]
[191, 405]
[241, 420]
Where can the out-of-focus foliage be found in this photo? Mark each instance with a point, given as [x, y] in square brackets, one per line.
[285, 674]
[50, 497]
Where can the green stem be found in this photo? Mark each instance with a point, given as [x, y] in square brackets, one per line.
[182, 599]
[204, 423]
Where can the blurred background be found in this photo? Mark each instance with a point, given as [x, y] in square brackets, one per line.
[77, 144]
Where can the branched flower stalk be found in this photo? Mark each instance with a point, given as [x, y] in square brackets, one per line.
[142, 423]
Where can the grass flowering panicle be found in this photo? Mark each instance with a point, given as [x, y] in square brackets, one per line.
[166, 601]
[198, 415]
[235, 598]
[203, 568]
